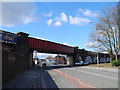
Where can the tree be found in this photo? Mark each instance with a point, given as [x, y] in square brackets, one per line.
[118, 8]
[107, 31]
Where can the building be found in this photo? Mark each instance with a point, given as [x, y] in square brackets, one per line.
[60, 59]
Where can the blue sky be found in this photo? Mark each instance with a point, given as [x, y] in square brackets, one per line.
[60, 22]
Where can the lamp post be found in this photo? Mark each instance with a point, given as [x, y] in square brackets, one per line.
[97, 60]
[97, 46]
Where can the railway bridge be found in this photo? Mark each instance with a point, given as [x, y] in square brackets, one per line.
[17, 52]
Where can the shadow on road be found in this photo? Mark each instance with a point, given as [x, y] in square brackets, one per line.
[48, 80]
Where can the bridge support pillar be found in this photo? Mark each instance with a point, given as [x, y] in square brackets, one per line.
[31, 59]
[70, 60]
[76, 55]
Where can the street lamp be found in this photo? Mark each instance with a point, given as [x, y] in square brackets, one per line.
[96, 40]
[97, 60]
[98, 46]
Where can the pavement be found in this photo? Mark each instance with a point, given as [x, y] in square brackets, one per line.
[31, 79]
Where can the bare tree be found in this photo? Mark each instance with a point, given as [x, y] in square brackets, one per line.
[118, 22]
[107, 31]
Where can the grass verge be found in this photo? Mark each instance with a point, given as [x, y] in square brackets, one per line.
[105, 65]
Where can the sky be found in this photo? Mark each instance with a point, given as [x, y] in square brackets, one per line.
[61, 22]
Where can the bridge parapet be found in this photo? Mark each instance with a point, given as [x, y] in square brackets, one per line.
[49, 47]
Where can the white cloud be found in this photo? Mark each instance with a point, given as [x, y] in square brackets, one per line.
[90, 44]
[63, 17]
[90, 13]
[78, 20]
[17, 13]
[49, 22]
[57, 23]
[48, 14]
[87, 12]
[80, 10]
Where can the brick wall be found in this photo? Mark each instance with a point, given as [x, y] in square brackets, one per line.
[12, 64]
[15, 57]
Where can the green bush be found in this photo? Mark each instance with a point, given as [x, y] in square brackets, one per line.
[116, 63]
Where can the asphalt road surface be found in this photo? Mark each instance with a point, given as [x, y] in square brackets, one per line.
[80, 77]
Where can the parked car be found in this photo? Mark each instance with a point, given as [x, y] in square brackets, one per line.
[85, 63]
[79, 63]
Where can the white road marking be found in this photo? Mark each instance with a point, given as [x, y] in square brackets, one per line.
[84, 84]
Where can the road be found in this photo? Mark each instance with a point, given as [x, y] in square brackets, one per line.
[80, 77]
